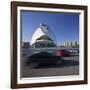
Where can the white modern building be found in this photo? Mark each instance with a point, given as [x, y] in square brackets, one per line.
[43, 37]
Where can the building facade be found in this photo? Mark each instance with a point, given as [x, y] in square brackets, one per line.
[25, 45]
[71, 44]
[43, 37]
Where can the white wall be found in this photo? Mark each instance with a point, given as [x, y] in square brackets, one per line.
[5, 45]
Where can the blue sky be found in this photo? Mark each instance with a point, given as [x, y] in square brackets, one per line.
[65, 26]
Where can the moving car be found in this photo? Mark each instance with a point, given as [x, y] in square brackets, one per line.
[63, 53]
[44, 58]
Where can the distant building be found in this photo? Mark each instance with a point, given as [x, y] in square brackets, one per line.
[25, 45]
[43, 37]
[71, 44]
[75, 43]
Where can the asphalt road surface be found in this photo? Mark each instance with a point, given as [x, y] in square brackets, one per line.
[70, 66]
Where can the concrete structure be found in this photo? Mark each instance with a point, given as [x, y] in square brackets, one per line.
[43, 37]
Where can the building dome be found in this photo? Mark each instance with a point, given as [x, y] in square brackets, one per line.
[43, 37]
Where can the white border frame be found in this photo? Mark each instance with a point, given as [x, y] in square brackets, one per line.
[52, 78]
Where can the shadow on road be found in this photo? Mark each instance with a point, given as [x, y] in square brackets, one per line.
[66, 63]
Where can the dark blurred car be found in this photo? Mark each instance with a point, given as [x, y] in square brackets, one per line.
[44, 58]
[63, 53]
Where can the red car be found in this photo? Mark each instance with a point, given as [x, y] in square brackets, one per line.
[63, 53]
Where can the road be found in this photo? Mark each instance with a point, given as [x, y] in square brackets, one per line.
[69, 67]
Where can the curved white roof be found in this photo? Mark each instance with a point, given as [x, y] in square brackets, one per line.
[40, 31]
